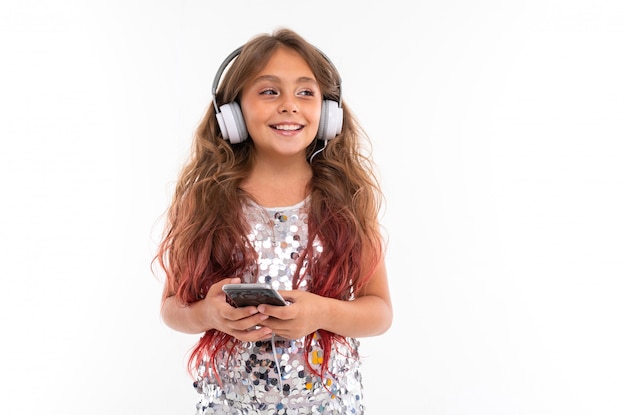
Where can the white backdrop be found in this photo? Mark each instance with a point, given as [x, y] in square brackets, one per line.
[499, 131]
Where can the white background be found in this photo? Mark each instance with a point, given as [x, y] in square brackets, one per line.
[498, 128]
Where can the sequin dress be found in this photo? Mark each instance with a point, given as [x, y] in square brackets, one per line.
[271, 377]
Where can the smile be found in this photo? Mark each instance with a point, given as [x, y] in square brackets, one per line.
[287, 127]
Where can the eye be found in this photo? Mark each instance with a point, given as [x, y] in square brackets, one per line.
[268, 91]
[307, 92]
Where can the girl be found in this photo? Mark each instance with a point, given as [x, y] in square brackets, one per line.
[277, 190]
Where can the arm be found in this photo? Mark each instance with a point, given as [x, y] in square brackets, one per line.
[370, 314]
[189, 319]
[213, 312]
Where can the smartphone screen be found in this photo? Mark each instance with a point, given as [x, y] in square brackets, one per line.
[242, 295]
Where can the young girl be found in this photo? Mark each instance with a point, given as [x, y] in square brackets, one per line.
[278, 190]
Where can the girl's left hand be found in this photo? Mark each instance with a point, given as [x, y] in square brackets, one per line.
[297, 319]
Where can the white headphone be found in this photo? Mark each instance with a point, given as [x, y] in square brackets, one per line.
[233, 126]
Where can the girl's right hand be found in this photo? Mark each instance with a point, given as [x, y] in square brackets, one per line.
[243, 323]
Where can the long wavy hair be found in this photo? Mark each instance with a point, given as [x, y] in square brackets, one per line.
[205, 235]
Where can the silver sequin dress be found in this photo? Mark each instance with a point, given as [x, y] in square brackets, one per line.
[271, 377]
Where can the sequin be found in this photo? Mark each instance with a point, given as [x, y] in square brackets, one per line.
[255, 380]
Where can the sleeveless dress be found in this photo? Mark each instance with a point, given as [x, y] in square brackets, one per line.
[271, 377]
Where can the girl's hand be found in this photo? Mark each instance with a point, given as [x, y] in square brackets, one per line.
[297, 319]
[243, 323]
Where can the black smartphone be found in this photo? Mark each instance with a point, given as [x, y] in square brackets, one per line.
[242, 295]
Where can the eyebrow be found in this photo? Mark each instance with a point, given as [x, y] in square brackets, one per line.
[272, 78]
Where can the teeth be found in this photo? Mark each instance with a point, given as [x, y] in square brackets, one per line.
[287, 127]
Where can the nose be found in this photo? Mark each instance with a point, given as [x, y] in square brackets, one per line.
[288, 104]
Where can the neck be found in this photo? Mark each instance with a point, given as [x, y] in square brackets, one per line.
[272, 184]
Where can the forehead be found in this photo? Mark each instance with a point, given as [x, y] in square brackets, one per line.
[285, 63]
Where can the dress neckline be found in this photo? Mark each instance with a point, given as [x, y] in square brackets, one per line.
[297, 205]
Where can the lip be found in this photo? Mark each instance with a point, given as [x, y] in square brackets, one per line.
[287, 128]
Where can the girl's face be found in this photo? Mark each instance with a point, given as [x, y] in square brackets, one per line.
[281, 106]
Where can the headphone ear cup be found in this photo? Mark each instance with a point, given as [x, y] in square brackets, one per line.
[331, 120]
[232, 125]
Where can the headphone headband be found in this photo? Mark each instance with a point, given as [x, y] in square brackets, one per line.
[220, 71]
